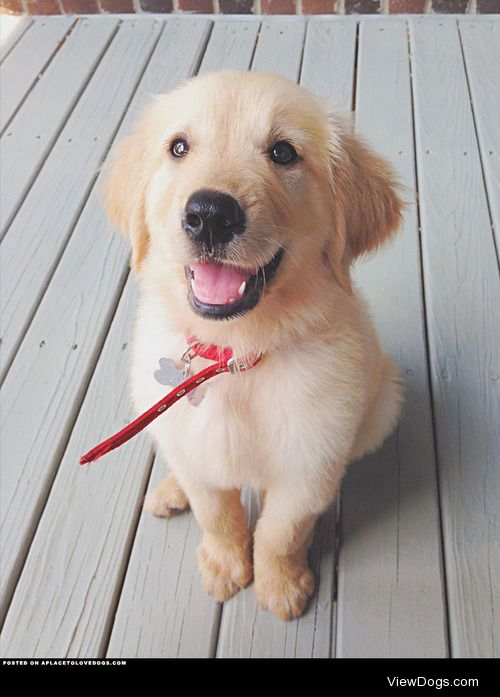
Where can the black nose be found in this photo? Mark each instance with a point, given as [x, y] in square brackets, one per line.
[213, 217]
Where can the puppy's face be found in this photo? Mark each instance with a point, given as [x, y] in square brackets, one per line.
[247, 193]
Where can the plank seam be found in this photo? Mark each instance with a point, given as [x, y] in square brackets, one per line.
[257, 39]
[447, 633]
[476, 133]
[214, 639]
[255, 45]
[303, 50]
[38, 77]
[355, 72]
[335, 582]
[93, 360]
[23, 33]
[203, 49]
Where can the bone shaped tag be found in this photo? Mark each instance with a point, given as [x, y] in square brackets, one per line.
[169, 374]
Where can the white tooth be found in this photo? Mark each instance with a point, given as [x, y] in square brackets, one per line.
[193, 285]
[241, 289]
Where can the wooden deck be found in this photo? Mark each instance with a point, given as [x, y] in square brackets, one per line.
[409, 564]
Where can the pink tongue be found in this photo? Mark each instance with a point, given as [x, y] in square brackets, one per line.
[218, 284]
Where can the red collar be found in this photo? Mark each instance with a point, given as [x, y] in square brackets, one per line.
[224, 363]
[211, 352]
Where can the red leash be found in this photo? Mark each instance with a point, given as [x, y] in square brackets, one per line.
[225, 363]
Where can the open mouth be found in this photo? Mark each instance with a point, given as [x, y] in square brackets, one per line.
[222, 291]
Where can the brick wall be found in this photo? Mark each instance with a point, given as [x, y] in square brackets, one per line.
[271, 7]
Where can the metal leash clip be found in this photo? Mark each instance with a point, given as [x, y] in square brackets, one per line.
[187, 356]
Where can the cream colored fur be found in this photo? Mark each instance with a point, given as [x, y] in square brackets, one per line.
[325, 392]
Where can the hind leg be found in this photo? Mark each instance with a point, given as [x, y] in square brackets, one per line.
[166, 499]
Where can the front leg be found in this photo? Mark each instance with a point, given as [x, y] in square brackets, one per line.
[283, 579]
[224, 553]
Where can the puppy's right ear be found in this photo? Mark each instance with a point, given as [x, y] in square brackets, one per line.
[125, 191]
[367, 208]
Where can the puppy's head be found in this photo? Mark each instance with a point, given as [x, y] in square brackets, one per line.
[245, 198]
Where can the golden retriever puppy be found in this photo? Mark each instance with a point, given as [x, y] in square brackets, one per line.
[246, 203]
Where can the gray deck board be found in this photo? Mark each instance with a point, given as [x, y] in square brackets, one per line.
[329, 59]
[84, 572]
[25, 63]
[463, 317]
[32, 132]
[231, 45]
[481, 48]
[46, 219]
[280, 45]
[391, 589]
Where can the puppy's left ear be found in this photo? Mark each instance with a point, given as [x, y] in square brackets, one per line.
[367, 206]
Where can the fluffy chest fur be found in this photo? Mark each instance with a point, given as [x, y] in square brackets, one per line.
[295, 414]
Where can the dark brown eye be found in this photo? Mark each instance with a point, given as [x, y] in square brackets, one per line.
[179, 147]
[283, 153]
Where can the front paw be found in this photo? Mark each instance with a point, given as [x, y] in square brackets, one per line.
[224, 569]
[283, 586]
[166, 499]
